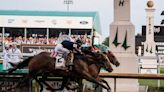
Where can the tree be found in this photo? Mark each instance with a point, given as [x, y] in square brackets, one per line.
[106, 41]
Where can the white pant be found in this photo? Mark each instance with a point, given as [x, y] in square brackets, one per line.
[6, 65]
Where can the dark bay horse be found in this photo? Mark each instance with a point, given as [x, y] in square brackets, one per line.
[43, 63]
[95, 69]
[112, 58]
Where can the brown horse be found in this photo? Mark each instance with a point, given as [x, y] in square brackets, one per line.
[43, 63]
[95, 69]
[112, 58]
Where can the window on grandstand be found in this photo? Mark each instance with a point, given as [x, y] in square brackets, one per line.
[81, 31]
[36, 32]
[56, 32]
[14, 32]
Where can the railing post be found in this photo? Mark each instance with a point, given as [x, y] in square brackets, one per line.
[115, 84]
[139, 64]
[158, 70]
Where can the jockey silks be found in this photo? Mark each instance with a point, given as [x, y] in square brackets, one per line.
[68, 45]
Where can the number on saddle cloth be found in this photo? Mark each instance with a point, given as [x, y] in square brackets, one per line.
[60, 62]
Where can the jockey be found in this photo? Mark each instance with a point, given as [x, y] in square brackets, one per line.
[62, 49]
[72, 46]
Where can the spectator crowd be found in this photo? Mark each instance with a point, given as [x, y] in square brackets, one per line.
[42, 40]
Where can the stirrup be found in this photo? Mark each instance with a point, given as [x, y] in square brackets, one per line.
[70, 64]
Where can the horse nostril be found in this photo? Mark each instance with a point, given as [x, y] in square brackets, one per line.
[111, 70]
[117, 64]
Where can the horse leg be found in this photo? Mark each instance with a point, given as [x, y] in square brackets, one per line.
[96, 86]
[65, 83]
[80, 85]
[34, 74]
[48, 86]
[44, 77]
[40, 84]
[104, 81]
[88, 77]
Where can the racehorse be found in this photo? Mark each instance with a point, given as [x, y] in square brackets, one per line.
[112, 58]
[43, 63]
[95, 69]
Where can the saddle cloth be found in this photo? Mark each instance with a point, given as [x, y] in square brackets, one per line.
[60, 62]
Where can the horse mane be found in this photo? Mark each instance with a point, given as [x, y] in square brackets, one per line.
[89, 57]
[88, 51]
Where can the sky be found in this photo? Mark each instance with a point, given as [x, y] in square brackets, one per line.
[103, 7]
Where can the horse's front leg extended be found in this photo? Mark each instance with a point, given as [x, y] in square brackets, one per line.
[40, 84]
[104, 81]
[88, 77]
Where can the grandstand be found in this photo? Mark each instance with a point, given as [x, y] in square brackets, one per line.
[44, 27]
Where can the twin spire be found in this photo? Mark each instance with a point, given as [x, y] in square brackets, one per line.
[116, 43]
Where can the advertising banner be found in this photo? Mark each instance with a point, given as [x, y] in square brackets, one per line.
[47, 22]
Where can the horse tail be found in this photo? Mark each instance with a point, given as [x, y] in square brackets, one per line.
[21, 65]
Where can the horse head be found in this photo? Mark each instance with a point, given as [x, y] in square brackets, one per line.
[104, 62]
[112, 58]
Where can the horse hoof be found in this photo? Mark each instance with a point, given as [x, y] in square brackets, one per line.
[109, 90]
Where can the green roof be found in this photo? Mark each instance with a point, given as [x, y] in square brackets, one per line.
[94, 15]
